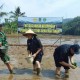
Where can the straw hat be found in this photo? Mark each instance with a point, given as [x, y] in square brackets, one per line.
[29, 32]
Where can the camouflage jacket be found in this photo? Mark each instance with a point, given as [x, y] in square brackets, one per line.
[3, 39]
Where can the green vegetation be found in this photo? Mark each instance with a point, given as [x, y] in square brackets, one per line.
[11, 23]
[72, 27]
[2, 13]
[10, 27]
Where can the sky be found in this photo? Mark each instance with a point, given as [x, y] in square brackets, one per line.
[44, 8]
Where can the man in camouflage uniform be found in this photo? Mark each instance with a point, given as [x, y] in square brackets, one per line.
[3, 50]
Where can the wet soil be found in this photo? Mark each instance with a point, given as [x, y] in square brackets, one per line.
[24, 70]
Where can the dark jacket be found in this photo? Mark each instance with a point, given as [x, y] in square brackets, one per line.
[33, 45]
[62, 52]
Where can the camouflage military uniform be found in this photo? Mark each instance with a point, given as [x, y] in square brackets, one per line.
[4, 48]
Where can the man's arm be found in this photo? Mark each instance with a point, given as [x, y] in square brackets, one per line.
[66, 64]
[34, 55]
[40, 47]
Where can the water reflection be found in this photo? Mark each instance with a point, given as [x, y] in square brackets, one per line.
[10, 77]
[35, 77]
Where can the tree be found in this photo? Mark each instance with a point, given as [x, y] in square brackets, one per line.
[72, 27]
[11, 24]
[2, 13]
[16, 13]
[14, 19]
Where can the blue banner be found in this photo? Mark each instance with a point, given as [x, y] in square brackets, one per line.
[40, 19]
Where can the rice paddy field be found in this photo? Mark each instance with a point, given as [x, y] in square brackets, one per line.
[18, 53]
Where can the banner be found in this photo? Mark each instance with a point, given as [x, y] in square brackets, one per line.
[41, 24]
[40, 20]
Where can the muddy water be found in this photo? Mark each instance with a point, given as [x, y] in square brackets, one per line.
[24, 70]
[45, 41]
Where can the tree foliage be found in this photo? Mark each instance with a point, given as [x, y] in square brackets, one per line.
[72, 27]
[17, 13]
[11, 24]
[2, 13]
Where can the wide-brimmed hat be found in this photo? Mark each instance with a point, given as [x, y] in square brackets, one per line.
[76, 48]
[29, 32]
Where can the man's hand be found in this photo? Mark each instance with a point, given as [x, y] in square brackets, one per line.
[75, 64]
[73, 67]
[34, 55]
